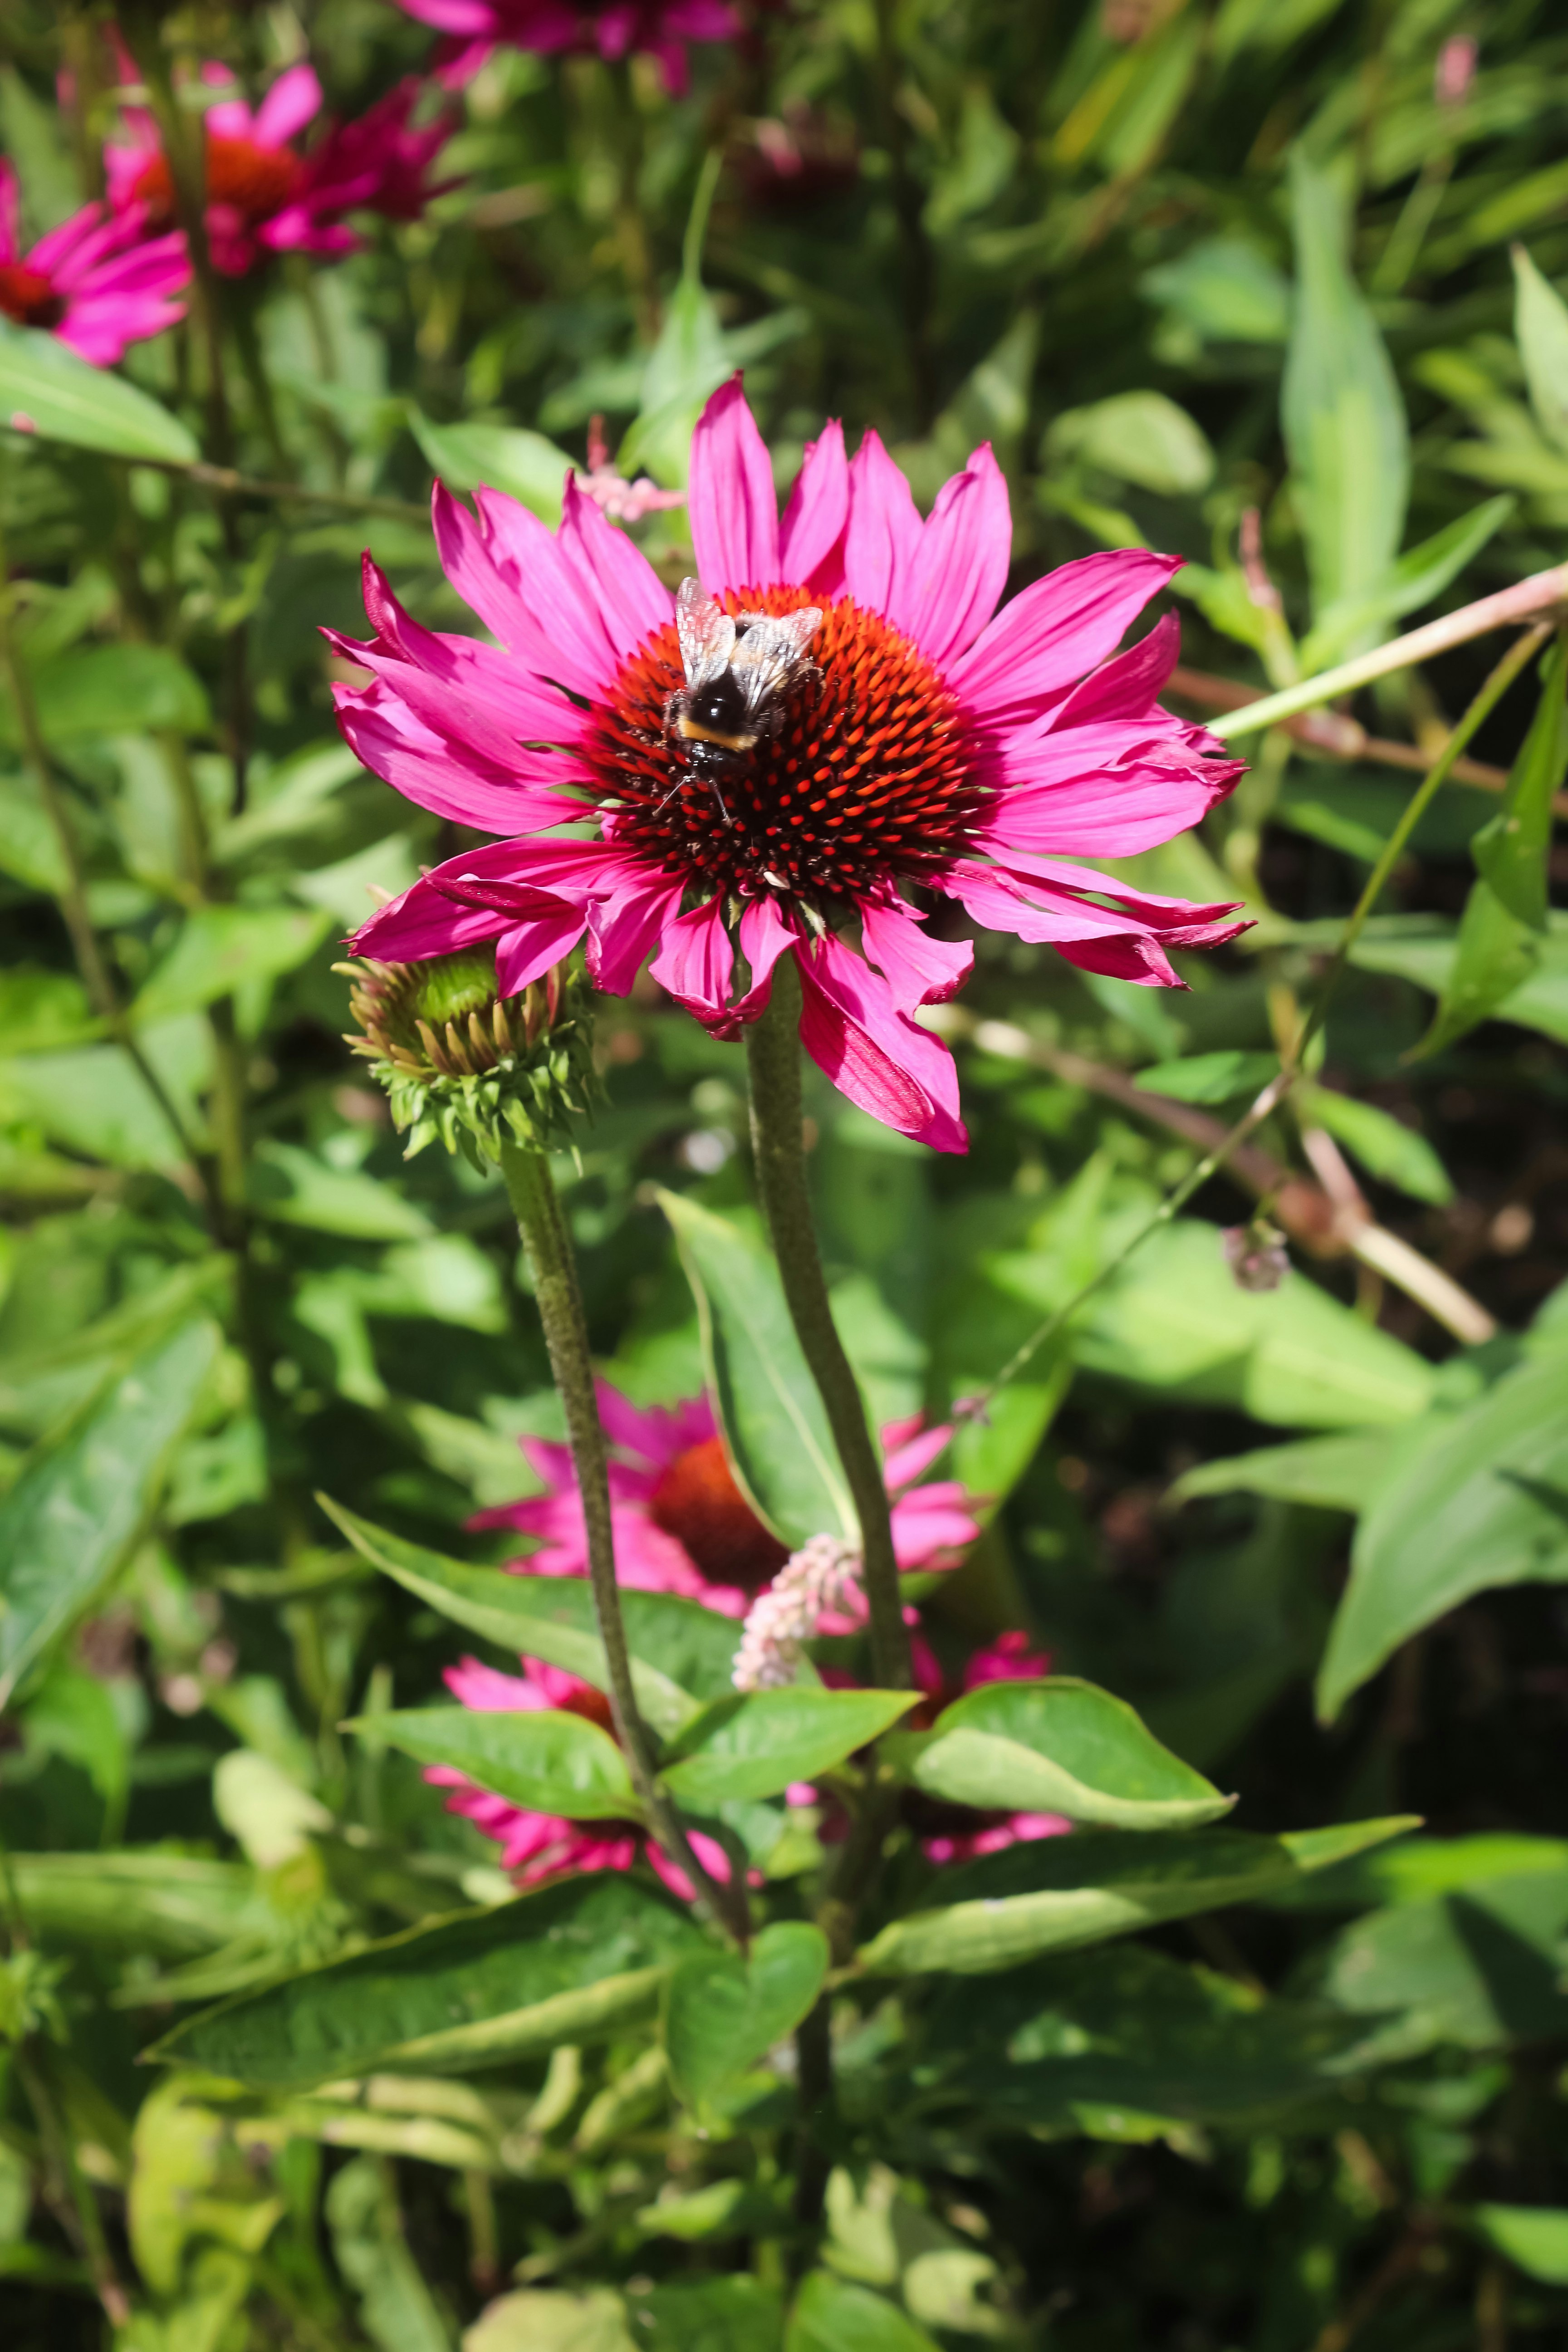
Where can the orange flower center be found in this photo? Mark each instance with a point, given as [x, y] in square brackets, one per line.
[28, 296]
[255, 182]
[867, 772]
[698, 1502]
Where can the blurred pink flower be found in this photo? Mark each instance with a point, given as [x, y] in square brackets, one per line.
[932, 741]
[536, 1845]
[265, 195]
[611, 28]
[1456, 74]
[682, 1525]
[98, 281]
[611, 492]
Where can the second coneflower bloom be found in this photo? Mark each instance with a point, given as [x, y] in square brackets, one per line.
[926, 747]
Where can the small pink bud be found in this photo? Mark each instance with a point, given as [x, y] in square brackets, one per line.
[1456, 71]
[21, 422]
[1255, 1254]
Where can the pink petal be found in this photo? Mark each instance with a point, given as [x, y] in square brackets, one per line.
[10, 212]
[764, 936]
[810, 553]
[627, 924]
[1105, 791]
[909, 1448]
[632, 600]
[491, 702]
[387, 737]
[961, 565]
[733, 505]
[451, 906]
[657, 1434]
[882, 539]
[855, 1033]
[567, 634]
[921, 970]
[1056, 629]
[697, 963]
[1128, 685]
[528, 951]
[294, 100]
[489, 1692]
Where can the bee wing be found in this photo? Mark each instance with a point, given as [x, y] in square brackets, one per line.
[707, 634]
[768, 649]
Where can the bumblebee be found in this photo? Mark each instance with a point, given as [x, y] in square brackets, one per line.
[737, 669]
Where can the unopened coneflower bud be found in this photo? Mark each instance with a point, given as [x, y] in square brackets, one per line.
[464, 1064]
[1255, 1254]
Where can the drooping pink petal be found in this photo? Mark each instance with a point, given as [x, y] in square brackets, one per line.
[294, 100]
[625, 927]
[528, 951]
[882, 537]
[882, 1061]
[697, 963]
[732, 502]
[811, 553]
[960, 566]
[1128, 685]
[1055, 629]
[920, 969]
[764, 936]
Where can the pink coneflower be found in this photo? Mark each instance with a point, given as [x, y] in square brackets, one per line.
[267, 195]
[98, 281]
[537, 1846]
[682, 1525]
[608, 28]
[923, 746]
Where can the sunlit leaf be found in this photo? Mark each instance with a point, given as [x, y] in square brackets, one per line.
[46, 389]
[725, 2010]
[754, 1745]
[543, 1760]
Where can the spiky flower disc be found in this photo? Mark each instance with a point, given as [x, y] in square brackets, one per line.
[462, 1063]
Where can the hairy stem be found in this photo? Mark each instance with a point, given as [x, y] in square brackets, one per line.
[533, 1196]
[773, 1055]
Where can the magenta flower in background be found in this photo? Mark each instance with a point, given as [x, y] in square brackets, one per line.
[929, 746]
[99, 282]
[610, 29]
[681, 1523]
[265, 195]
[536, 1845]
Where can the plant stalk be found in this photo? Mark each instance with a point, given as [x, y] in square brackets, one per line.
[531, 1191]
[772, 1057]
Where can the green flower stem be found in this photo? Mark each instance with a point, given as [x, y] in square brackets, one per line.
[531, 1192]
[773, 1055]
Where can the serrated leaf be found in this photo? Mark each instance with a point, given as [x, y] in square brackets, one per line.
[1059, 1746]
[1055, 1894]
[568, 1963]
[62, 398]
[82, 1499]
[681, 1653]
[754, 1744]
[1485, 1503]
[724, 2010]
[776, 1430]
[543, 1759]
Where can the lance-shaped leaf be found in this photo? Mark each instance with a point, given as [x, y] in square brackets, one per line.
[82, 1499]
[545, 1759]
[726, 2010]
[777, 1431]
[1541, 329]
[1054, 1894]
[1512, 851]
[681, 1653]
[756, 1744]
[1484, 1503]
[570, 1962]
[1059, 1746]
[46, 389]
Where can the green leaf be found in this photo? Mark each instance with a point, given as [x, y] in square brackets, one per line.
[1510, 852]
[568, 1963]
[95, 1100]
[220, 949]
[1222, 292]
[681, 1653]
[776, 1430]
[833, 2314]
[1059, 1746]
[503, 456]
[1484, 1503]
[1341, 1473]
[1539, 997]
[291, 1187]
[1174, 1318]
[1541, 329]
[126, 689]
[552, 2319]
[398, 2310]
[1341, 407]
[83, 1499]
[1138, 436]
[1385, 1146]
[1533, 2237]
[725, 2312]
[174, 1904]
[1209, 1078]
[545, 1760]
[62, 398]
[1421, 573]
[1478, 1967]
[1055, 1894]
[725, 2010]
[754, 1745]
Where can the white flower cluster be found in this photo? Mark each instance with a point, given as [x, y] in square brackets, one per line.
[820, 1577]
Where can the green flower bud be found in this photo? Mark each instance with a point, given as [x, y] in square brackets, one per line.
[469, 1066]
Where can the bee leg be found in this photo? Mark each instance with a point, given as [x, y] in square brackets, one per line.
[722, 810]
